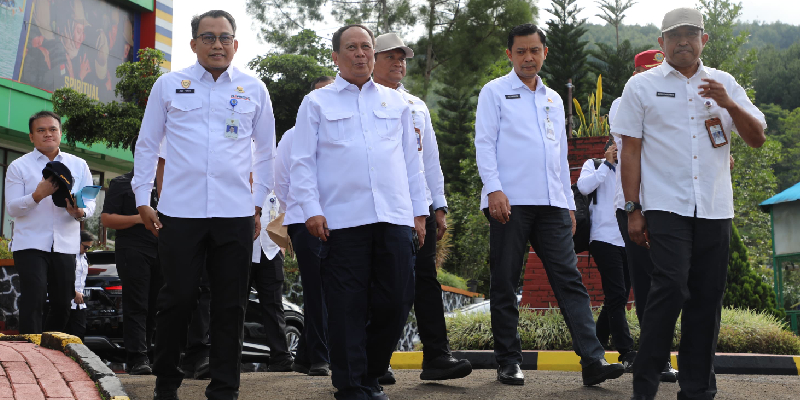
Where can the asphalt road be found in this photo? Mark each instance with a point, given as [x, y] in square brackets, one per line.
[480, 385]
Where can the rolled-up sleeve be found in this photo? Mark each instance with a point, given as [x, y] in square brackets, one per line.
[487, 127]
[416, 180]
[303, 172]
[18, 203]
[147, 146]
[264, 155]
[433, 168]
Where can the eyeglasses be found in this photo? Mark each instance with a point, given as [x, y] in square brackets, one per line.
[86, 247]
[211, 39]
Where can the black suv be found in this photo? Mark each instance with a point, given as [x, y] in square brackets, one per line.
[103, 296]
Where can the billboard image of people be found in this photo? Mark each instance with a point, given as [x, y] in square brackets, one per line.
[11, 17]
[74, 43]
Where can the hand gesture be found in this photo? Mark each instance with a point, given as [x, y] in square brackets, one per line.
[717, 92]
[441, 224]
[611, 154]
[150, 219]
[78, 297]
[74, 211]
[46, 187]
[419, 227]
[85, 68]
[499, 207]
[637, 229]
[318, 227]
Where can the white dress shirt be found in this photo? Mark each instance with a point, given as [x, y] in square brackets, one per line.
[283, 163]
[355, 158]
[269, 211]
[514, 153]
[428, 149]
[681, 171]
[619, 195]
[81, 271]
[603, 214]
[44, 226]
[208, 173]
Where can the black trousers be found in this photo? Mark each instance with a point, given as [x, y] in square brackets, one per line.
[549, 230]
[612, 263]
[141, 281]
[224, 247]
[640, 267]
[44, 276]
[313, 345]
[198, 341]
[428, 305]
[76, 325]
[368, 277]
[690, 266]
[267, 278]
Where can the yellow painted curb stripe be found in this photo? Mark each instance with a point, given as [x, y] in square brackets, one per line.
[163, 39]
[797, 362]
[673, 359]
[166, 17]
[120, 398]
[407, 360]
[558, 361]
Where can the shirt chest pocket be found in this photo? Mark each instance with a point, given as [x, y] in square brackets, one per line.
[185, 109]
[387, 123]
[244, 112]
[339, 126]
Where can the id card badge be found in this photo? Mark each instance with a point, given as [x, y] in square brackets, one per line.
[419, 139]
[551, 132]
[716, 133]
[232, 128]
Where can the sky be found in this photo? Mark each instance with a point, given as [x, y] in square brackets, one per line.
[643, 13]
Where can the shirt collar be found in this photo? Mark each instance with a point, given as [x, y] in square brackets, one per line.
[39, 154]
[198, 71]
[517, 83]
[666, 69]
[341, 84]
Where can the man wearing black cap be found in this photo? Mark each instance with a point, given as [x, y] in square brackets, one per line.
[46, 235]
[671, 120]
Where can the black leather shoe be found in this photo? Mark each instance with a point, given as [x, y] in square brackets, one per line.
[165, 394]
[388, 378]
[642, 397]
[378, 394]
[600, 371]
[300, 367]
[202, 370]
[444, 367]
[281, 366]
[510, 375]
[627, 361]
[669, 374]
[141, 368]
[319, 369]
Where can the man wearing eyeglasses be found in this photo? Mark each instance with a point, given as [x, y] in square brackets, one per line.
[207, 217]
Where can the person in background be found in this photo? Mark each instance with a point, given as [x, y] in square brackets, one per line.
[312, 350]
[76, 325]
[46, 235]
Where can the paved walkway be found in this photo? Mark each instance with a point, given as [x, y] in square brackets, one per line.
[480, 385]
[31, 372]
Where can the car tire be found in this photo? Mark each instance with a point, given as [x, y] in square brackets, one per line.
[292, 339]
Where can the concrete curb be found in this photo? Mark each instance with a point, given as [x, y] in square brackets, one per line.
[724, 363]
[106, 380]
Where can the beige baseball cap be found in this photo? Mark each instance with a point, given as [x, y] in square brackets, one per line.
[682, 17]
[390, 41]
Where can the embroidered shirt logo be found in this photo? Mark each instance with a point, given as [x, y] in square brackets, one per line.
[186, 83]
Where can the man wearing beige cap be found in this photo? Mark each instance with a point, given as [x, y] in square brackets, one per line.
[437, 361]
[676, 123]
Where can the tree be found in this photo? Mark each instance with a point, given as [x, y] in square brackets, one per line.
[614, 13]
[615, 65]
[777, 78]
[745, 287]
[455, 130]
[282, 19]
[787, 171]
[115, 124]
[567, 56]
[724, 49]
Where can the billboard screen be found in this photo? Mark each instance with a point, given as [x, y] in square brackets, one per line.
[66, 43]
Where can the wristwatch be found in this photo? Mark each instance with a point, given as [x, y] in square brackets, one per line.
[632, 206]
[444, 208]
[81, 219]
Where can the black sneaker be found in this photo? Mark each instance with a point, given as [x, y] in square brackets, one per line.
[141, 368]
[601, 371]
[319, 369]
[284, 365]
[378, 394]
[444, 367]
[202, 369]
[669, 374]
[171, 394]
[388, 378]
[300, 367]
[627, 361]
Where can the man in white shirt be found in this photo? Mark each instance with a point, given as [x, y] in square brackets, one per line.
[608, 251]
[357, 178]
[312, 349]
[76, 325]
[521, 149]
[207, 215]
[667, 119]
[437, 361]
[46, 237]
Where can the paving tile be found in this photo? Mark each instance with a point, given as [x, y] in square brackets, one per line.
[76, 377]
[70, 368]
[20, 376]
[45, 371]
[5, 388]
[55, 388]
[15, 365]
[57, 357]
[28, 391]
[9, 354]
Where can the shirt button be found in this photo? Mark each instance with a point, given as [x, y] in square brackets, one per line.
[694, 136]
[695, 177]
[213, 109]
[370, 147]
[692, 117]
[690, 99]
[687, 82]
[371, 169]
[695, 157]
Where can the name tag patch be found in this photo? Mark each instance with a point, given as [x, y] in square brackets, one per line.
[184, 90]
[664, 94]
[512, 96]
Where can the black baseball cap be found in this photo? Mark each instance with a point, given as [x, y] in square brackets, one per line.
[63, 177]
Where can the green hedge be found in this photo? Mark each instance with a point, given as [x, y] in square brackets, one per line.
[741, 331]
[452, 280]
